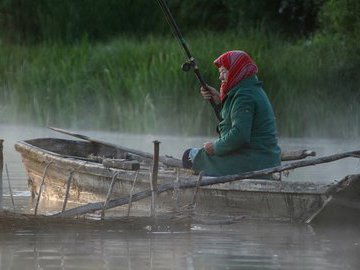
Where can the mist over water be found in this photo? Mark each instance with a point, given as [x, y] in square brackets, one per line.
[175, 146]
[243, 245]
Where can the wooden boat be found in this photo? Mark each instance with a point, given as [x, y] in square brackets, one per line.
[57, 162]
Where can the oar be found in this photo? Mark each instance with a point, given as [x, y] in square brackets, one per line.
[91, 207]
[169, 161]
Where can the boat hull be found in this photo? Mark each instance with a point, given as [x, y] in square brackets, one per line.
[245, 199]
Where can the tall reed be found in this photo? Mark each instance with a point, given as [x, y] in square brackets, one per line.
[136, 85]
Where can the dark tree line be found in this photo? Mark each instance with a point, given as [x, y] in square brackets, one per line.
[70, 20]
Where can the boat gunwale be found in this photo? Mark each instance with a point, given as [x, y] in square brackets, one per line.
[281, 187]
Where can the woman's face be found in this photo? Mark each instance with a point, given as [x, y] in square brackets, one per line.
[223, 74]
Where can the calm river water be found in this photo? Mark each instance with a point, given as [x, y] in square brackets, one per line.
[243, 245]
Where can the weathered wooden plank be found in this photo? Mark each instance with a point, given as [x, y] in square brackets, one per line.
[297, 154]
[121, 164]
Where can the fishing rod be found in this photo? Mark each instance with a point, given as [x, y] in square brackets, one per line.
[190, 64]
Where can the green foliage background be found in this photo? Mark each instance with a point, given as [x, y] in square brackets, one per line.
[114, 64]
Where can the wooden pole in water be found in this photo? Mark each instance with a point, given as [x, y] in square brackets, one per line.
[1, 169]
[154, 176]
[10, 189]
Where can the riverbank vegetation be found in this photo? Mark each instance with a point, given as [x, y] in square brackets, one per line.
[125, 74]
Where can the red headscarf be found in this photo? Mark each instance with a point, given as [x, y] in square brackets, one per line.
[239, 66]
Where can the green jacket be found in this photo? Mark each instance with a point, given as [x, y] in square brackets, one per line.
[248, 139]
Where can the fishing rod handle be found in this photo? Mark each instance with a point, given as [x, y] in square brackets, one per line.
[200, 78]
[215, 106]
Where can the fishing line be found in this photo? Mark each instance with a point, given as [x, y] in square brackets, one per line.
[166, 11]
[191, 63]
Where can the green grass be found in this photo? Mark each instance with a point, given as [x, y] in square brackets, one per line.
[132, 85]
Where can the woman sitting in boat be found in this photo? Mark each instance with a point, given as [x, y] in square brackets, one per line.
[248, 136]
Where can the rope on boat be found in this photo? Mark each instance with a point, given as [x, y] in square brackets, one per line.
[197, 189]
[189, 208]
[69, 184]
[41, 186]
[109, 194]
[131, 192]
[67, 190]
[177, 189]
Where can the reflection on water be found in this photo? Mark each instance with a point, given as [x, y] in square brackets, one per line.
[116, 245]
[237, 246]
